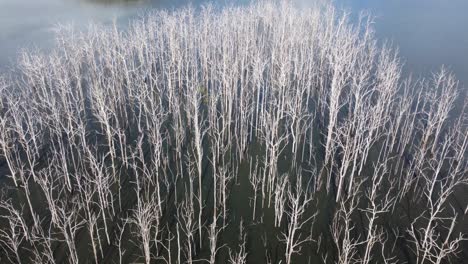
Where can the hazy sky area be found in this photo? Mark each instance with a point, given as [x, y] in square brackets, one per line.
[429, 33]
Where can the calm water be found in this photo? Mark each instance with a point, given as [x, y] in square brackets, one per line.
[31, 23]
[429, 33]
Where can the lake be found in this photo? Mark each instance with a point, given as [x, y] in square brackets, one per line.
[429, 33]
[31, 23]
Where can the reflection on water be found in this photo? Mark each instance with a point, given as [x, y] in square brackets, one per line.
[30, 23]
[113, 2]
[429, 33]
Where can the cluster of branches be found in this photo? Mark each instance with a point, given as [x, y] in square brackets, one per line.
[189, 135]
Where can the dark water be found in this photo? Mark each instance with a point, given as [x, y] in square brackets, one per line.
[429, 33]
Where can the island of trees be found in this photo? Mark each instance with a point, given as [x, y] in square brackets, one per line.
[255, 134]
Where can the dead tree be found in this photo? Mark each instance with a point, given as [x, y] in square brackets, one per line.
[379, 196]
[438, 186]
[69, 224]
[281, 195]
[8, 144]
[146, 219]
[298, 200]
[241, 256]
[274, 139]
[15, 234]
[342, 227]
[255, 180]
[198, 135]
[213, 235]
[185, 218]
[102, 180]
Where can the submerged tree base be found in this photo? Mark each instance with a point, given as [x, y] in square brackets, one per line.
[258, 134]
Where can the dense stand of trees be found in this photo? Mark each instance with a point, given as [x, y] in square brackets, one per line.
[259, 134]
